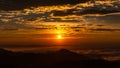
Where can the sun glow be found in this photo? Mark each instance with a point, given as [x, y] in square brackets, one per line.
[59, 32]
[59, 36]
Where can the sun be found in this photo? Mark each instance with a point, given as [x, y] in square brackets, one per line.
[59, 36]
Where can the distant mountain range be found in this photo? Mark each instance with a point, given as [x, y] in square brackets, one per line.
[58, 59]
[21, 4]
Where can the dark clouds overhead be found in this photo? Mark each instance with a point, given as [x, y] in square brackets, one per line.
[20, 4]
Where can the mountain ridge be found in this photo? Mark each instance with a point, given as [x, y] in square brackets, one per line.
[58, 59]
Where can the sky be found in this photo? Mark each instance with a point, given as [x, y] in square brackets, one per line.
[80, 26]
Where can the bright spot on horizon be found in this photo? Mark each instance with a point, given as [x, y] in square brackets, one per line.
[59, 36]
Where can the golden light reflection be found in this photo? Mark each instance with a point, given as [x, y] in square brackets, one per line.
[60, 31]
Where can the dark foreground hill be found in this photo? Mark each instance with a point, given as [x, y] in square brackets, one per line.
[58, 59]
[21, 4]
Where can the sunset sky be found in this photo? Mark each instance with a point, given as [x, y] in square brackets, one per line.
[70, 26]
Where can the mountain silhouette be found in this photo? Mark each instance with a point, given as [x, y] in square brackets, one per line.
[55, 59]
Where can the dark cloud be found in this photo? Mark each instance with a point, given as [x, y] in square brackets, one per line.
[104, 19]
[21, 4]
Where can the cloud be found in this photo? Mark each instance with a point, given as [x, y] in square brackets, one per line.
[112, 18]
[29, 18]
